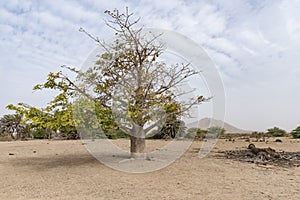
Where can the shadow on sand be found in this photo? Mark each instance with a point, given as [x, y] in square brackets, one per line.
[55, 161]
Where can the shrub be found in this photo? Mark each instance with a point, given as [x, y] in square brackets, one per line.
[259, 135]
[40, 134]
[70, 135]
[4, 136]
[276, 132]
[216, 130]
[196, 133]
[296, 132]
[116, 134]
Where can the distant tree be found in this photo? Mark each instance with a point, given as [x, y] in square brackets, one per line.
[171, 128]
[276, 132]
[196, 133]
[296, 132]
[12, 124]
[49, 120]
[173, 125]
[216, 130]
[57, 119]
[129, 80]
[260, 136]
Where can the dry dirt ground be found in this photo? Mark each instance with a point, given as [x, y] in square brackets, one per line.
[65, 170]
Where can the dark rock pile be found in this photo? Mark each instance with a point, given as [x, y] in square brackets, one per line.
[264, 156]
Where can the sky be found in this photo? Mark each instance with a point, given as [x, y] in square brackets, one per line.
[255, 45]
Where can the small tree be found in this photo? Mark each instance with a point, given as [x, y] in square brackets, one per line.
[296, 132]
[47, 121]
[13, 125]
[276, 132]
[196, 133]
[172, 125]
[216, 130]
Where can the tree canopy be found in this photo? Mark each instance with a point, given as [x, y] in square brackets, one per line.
[296, 132]
[128, 86]
[276, 132]
[13, 125]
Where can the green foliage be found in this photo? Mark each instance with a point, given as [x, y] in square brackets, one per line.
[129, 74]
[69, 135]
[96, 120]
[259, 135]
[195, 133]
[276, 132]
[116, 134]
[173, 125]
[40, 134]
[10, 124]
[172, 128]
[51, 119]
[296, 132]
[216, 130]
[127, 86]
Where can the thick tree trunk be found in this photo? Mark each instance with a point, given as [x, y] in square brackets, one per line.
[137, 143]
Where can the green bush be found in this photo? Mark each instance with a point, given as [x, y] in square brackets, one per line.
[156, 135]
[70, 135]
[296, 132]
[276, 132]
[95, 134]
[40, 134]
[195, 133]
[216, 130]
[116, 134]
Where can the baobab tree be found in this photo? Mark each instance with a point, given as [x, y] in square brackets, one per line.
[131, 80]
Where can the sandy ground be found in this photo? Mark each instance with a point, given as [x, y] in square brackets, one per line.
[66, 170]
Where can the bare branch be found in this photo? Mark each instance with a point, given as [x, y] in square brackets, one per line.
[96, 39]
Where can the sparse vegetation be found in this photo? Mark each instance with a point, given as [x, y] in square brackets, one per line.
[259, 136]
[296, 132]
[196, 133]
[216, 130]
[14, 126]
[116, 134]
[40, 134]
[276, 132]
